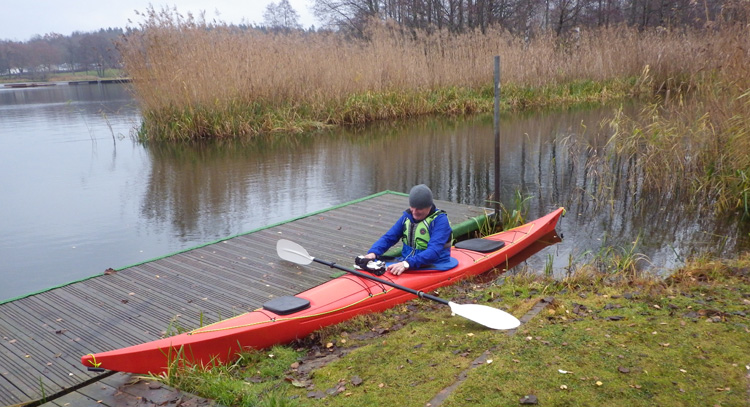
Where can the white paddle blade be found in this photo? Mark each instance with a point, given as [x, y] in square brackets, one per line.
[290, 251]
[484, 315]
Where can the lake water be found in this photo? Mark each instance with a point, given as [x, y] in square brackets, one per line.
[79, 195]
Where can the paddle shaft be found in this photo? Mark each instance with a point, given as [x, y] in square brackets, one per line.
[419, 294]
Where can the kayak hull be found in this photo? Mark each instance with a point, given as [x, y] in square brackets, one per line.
[332, 302]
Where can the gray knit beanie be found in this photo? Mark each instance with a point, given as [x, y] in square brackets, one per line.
[420, 197]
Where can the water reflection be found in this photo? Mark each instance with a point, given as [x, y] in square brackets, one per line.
[83, 196]
[233, 185]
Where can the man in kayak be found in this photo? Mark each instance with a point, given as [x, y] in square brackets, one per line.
[425, 232]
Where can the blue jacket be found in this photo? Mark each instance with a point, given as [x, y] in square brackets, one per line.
[436, 252]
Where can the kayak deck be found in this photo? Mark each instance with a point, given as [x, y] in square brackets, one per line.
[329, 303]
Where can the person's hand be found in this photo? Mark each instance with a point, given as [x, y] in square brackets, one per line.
[370, 256]
[398, 268]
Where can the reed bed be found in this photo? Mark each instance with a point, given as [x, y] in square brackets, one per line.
[697, 150]
[196, 79]
[689, 147]
[199, 80]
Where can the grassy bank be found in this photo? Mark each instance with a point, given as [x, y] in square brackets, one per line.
[199, 80]
[604, 339]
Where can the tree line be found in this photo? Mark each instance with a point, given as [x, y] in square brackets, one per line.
[98, 51]
[52, 52]
[528, 17]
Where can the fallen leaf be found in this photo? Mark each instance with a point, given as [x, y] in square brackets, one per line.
[598, 383]
[683, 370]
[563, 371]
[666, 344]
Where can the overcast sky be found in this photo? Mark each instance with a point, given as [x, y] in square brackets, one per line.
[20, 20]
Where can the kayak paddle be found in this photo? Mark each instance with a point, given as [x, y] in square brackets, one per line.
[481, 314]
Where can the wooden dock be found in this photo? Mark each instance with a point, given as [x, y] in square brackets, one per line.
[43, 336]
[100, 81]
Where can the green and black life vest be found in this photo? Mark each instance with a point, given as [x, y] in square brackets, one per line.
[417, 235]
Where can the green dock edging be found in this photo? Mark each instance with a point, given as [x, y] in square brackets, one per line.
[210, 243]
[460, 229]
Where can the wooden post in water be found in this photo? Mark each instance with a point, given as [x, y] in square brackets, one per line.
[498, 218]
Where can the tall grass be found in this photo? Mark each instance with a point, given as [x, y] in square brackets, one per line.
[230, 384]
[687, 147]
[197, 79]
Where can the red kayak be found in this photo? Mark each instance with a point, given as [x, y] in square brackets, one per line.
[285, 319]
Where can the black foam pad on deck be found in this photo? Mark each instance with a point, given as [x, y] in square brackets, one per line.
[286, 305]
[480, 245]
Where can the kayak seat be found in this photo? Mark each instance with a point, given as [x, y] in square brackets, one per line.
[480, 245]
[286, 305]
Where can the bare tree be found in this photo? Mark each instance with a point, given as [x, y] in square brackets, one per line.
[348, 16]
[281, 15]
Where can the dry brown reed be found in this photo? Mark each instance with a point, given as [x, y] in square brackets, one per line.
[212, 78]
[693, 147]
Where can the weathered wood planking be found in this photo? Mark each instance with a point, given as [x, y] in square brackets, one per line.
[44, 335]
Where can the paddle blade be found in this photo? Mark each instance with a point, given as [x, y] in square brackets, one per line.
[484, 315]
[290, 251]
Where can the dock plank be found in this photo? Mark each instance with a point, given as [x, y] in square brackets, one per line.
[39, 347]
[208, 283]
